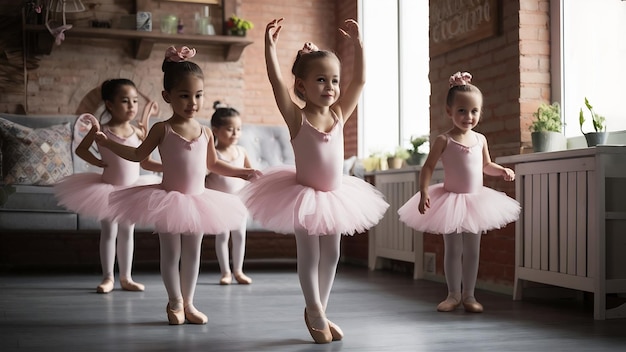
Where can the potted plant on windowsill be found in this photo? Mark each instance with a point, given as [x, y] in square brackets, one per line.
[396, 159]
[417, 155]
[600, 135]
[546, 129]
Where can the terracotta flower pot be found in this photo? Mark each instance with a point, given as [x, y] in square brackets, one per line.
[395, 163]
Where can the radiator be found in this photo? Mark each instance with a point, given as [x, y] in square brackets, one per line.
[390, 238]
[572, 229]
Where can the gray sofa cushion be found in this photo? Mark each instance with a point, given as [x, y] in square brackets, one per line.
[267, 145]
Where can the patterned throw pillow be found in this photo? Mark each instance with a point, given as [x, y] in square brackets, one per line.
[35, 156]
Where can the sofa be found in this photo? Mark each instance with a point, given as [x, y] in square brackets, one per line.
[37, 150]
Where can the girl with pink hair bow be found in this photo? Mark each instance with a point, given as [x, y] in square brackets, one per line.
[314, 200]
[460, 208]
[180, 208]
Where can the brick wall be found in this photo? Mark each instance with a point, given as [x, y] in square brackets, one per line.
[78, 65]
[512, 70]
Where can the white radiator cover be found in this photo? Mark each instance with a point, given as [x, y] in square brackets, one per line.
[390, 238]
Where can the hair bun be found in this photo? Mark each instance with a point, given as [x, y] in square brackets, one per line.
[219, 105]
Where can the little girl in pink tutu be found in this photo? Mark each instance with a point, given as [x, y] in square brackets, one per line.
[88, 193]
[461, 209]
[315, 200]
[180, 208]
[226, 126]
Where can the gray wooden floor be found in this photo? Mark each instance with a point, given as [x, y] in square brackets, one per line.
[378, 311]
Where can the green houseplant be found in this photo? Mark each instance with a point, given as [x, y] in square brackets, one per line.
[417, 157]
[238, 26]
[546, 128]
[599, 135]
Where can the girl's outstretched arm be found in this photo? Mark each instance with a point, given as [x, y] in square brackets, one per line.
[288, 109]
[492, 169]
[350, 95]
[82, 150]
[135, 154]
[213, 163]
[151, 165]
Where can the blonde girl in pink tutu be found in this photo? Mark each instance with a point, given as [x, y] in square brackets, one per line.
[88, 193]
[461, 208]
[226, 126]
[315, 200]
[180, 208]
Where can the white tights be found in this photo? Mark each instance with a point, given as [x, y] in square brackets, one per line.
[460, 263]
[317, 264]
[239, 249]
[180, 266]
[116, 235]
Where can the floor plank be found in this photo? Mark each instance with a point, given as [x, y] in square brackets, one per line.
[378, 311]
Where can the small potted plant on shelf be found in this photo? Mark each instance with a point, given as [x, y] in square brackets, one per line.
[397, 158]
[599, 135]
[238, 26]
[546, 129]
[417, 154]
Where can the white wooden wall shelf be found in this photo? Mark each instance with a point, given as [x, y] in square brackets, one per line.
[144, 41]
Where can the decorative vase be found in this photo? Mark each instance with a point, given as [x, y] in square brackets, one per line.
[596, 138]
[548, 141]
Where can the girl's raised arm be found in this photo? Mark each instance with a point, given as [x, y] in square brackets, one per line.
[288, 109]
[82, 150]
[350, 95]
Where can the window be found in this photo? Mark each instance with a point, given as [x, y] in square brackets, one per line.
[590, 61]
[395, 103]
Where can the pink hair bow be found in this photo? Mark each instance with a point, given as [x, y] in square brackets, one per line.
[308, 48]
[460, 79]
[175, 55]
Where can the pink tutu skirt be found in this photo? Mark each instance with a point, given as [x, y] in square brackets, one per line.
[460, 212]
[210, 212]
[278, 202]
[86, 194]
